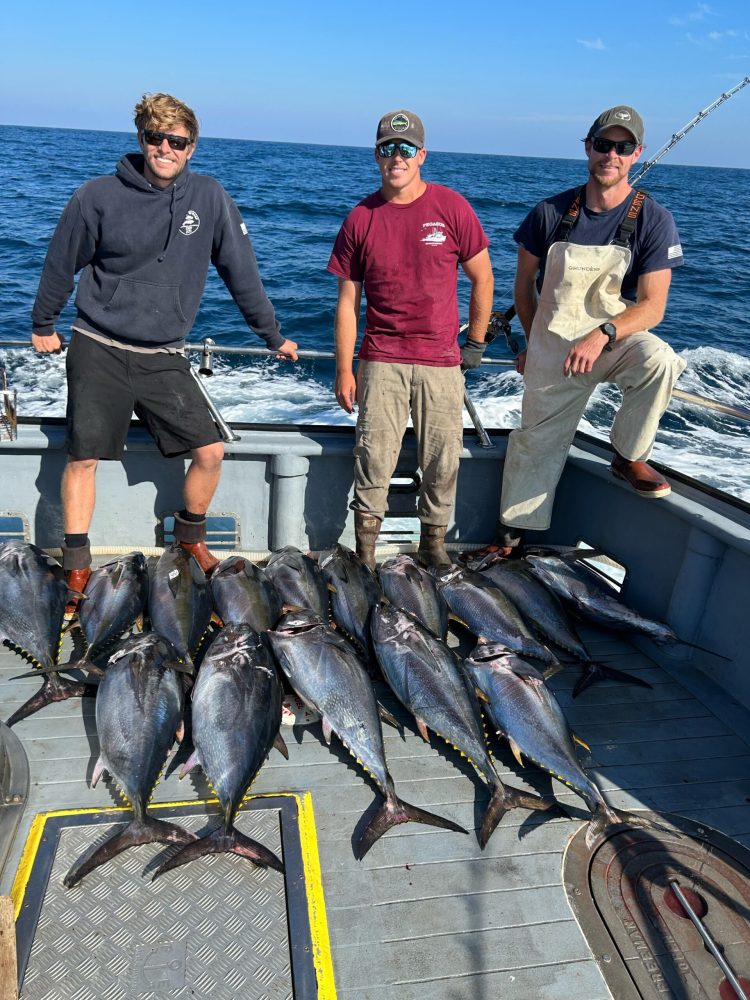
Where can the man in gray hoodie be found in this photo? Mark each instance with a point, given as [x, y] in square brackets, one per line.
[142, 240]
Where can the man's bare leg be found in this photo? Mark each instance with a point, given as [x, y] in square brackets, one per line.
[201, 481]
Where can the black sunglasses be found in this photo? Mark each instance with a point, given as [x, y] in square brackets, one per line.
[388, 149]
[154, 138]
[623, 148]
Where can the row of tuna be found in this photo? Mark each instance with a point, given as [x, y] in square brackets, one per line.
[394, 624]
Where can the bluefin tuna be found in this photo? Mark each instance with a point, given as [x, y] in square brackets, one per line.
[299, 581]
[138, 712]
[236, 714]
[410, 587]
[243, 594]
[33, 594]
[354, 593]
[116, 596]
[326, 673]
[523, 710]
[179, 601]
[427, 678]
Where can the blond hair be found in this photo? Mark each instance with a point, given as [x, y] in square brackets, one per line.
[162, 111]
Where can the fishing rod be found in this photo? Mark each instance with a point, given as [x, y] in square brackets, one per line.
[638, 175]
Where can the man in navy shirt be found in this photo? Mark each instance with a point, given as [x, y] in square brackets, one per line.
[593, 274]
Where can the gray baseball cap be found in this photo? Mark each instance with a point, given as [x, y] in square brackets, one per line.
[622, 116]
[400, 125]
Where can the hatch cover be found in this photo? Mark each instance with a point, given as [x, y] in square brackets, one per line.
[627, 893]
[217, 928]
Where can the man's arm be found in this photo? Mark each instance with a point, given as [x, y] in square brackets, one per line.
[478, 270]
[644, 314]
[345, 334]
[525, 296]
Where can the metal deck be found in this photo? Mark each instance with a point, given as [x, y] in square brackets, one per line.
[427, 914]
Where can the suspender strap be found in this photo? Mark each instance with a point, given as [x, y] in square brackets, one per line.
[627, 226]
[562, 233]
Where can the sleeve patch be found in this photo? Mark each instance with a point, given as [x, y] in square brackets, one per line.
[675, 251]
[243, 229]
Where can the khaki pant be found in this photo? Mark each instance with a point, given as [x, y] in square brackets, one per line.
[386, 394]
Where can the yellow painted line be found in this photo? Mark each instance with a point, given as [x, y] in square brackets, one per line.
[316, 909]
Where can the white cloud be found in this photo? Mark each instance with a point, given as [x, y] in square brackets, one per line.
[592, 43]
[701, 12]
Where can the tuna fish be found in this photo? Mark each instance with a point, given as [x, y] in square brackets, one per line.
[299, 581]
[179, 601]
[243, 594]
[33, 594]
[490, 615]
[354, 593]
[326, 673]
[527, 714]
[236, 716]
[408, 586]
[427, 678]
[138, 712]
[116, 596]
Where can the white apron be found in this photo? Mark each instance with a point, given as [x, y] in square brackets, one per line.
[581, 290]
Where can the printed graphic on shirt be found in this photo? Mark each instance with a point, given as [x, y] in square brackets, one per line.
[435, 234]
[191, 223]
[675, 251]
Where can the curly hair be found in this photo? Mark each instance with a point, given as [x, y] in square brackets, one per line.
[162, 111]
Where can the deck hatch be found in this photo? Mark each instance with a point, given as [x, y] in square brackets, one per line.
[621, 894]
[12, 526]
[218, 927]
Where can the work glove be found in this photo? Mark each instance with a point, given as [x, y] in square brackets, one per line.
[471, 354]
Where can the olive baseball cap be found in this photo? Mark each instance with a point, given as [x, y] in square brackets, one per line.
[622, 116]
[400, 125]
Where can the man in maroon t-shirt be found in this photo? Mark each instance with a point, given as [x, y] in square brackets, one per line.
[403, 245]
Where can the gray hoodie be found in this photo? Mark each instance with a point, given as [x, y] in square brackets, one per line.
[144, 255]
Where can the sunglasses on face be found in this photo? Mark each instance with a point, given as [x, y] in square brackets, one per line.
[623, 147]
[388, 149]
[154, 138]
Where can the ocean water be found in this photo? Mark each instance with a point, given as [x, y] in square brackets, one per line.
[294, 198]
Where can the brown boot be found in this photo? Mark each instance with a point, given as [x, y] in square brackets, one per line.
[191, 536]
[366, 531]
[77, 569]
[645, 480]
[431, 550]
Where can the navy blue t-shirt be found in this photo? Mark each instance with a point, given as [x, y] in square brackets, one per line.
[655, 244]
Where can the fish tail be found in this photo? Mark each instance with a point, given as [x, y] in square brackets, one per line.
[504, 798]
[606, 816]
[393, 812]
[138, 831]
[222, 841]
[593, 672]
[54, 689]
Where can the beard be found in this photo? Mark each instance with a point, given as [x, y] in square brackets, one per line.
[606, 180]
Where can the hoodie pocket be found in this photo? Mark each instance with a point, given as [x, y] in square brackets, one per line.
[145, 311]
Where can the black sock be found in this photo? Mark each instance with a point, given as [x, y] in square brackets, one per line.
[193, 518]
[76, 541]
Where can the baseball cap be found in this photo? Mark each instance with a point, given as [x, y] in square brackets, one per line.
[624, 117]
[400, 125]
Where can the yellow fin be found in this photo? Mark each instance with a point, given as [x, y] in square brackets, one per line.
[516, 751]
[579, 741]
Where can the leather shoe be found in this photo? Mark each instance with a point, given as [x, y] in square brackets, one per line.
[202, 556]
[645, 481]
[76, 580]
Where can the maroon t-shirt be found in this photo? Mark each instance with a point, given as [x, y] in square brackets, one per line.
[407, 257]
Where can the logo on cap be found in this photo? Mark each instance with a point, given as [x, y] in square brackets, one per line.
[624, 116]
[400, 123]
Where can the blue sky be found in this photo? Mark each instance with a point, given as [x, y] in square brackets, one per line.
[490, 76]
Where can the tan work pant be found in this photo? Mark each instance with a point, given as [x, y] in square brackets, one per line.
[386, 394]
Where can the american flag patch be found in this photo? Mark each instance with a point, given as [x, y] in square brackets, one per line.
[243, 230]
[675, 251]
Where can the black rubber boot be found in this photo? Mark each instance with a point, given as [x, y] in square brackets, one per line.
[432, 550]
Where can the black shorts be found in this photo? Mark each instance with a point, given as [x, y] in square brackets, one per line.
[106, 385]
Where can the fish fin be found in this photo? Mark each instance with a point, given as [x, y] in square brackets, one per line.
[481, 695]
[516, 751]
[54, 689]
[327, 729]
[331, 588]
[192, 762]
[281, 746]
[143, 831]
[180, 733]
[62, 668]
[605, 816]
[593, 672]
[393, 812]
[221, 841]
[580, 742]
[551, 671]
[423, 730]
[99, 770]
[388, 717]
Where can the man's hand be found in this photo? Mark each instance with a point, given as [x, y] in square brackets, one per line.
[583, 353]
[471, 354]
[48, 343]
[521, 362]
[287, 350]
[346, 391]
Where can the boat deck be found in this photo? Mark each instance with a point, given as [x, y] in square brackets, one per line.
[427, 914]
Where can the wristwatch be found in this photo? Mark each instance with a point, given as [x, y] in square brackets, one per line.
[610, 332]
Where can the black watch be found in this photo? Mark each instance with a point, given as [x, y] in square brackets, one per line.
[610, 332]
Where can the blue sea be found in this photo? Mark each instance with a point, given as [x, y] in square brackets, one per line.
[294, 198]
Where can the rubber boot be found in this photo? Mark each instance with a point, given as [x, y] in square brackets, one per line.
[366, 531]
[77, 568]
[431, 550]
[191, 536]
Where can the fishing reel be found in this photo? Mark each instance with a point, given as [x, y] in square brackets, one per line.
[500, 324]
